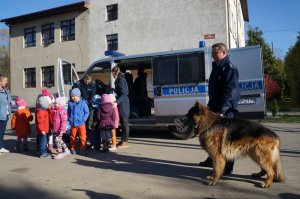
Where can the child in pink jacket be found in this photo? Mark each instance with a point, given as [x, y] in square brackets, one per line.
[60, 119]
[107, 120]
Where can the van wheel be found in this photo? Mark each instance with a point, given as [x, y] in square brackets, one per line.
[180, 135]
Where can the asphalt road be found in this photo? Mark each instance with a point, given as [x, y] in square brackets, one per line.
[154, 166]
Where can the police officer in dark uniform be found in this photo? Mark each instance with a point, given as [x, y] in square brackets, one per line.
[223, 90]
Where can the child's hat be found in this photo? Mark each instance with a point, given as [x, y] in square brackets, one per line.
[61, 101]
[105, 99]
[44, 102]
[96, 100]
[76, 92]
[45, 92]
[20, 102]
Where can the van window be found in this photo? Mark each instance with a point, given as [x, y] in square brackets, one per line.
[179, 69]
[191, 68]
[165, 70]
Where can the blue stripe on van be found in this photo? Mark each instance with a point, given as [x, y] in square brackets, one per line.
[251, 85]
[179, 90]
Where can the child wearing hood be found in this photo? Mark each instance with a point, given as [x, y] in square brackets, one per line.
[107, 121]
[59, 127]
[42, 122]
[78, 113]
[20, 121]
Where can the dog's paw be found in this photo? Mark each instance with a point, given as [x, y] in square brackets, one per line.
[212, 183]
[209, 177]
[265, 185]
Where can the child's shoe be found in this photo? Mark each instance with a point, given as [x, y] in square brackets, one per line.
[82, 152]
[45, 155]
[59, 156]
[113, 148]
[17, 148]
[25, 147]
[67, 152]
[122, 145]
[73, 151]
[51, 149]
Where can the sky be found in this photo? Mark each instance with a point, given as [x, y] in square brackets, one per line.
[279, 20]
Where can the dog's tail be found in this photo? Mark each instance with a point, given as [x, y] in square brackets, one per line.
[279, 176]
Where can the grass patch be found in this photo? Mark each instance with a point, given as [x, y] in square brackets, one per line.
[283, 118]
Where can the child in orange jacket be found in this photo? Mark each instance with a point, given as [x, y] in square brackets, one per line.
[20, 122]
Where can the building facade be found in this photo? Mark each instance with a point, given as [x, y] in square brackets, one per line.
[135, 26]
[81, 32]
[38, 39]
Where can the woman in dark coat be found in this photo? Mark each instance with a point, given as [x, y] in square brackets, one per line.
[121, 90]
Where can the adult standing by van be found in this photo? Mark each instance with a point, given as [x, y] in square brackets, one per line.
[5, 109]
[121, 90]
[223, 91]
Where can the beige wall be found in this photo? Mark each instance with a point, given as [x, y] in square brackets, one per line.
[150, 26]
[75, 51]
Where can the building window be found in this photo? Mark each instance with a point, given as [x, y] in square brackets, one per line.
[30, 40]
[68, 30]
[112, 12]
[30, 81]
[48, 34]
[48, 76]
[112, 42]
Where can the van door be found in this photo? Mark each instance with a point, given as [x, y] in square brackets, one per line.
[66, 77]
[253, 100]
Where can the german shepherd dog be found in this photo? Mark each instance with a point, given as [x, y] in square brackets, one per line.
[228, 138]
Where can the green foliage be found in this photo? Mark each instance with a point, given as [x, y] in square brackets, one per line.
[292, 66]
[4, 54]
[275, 108]
[273, 66]
[4, 64]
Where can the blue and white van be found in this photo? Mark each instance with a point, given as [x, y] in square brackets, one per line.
[176, 79]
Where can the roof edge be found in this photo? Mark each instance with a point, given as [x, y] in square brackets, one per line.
[244, 5]
[81, 6]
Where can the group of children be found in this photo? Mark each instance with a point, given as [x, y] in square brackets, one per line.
[51, 119]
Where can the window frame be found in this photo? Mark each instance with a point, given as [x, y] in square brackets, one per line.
[48, 27]
[48, 71]
[177, 78]
[30, 31]
[112, 44]
[70, 35]
[32, 72]
[112, 12]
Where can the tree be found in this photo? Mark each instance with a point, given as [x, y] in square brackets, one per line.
[292, 66]
[4, 53]
[273, 67]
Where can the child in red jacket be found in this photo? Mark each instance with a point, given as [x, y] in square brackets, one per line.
[42, 122]
[20, 122]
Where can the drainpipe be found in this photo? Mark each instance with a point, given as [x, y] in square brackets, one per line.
[228, 23]
[237, 24]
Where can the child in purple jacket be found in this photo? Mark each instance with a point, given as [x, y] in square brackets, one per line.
[107, 121]
[60, 119]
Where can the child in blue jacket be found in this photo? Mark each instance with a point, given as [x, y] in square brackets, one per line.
[78, 113]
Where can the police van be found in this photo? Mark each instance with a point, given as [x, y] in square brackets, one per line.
[175, 80]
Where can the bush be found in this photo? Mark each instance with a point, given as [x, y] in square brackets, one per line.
[272, 88]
